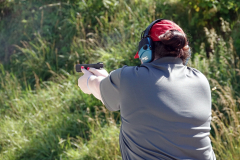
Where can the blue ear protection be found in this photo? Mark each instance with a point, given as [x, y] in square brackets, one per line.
[145, 50]
[145, 45]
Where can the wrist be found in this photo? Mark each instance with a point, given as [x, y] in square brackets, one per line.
[90, 78]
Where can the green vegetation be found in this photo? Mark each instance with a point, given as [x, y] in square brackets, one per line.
[43, 113]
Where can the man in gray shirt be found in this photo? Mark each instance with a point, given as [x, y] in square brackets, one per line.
[165, 105]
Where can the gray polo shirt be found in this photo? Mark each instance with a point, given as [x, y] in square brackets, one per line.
[165, 110]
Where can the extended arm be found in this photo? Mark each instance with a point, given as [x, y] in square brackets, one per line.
[90, 81]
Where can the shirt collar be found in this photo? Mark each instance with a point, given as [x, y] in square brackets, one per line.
[168, 60]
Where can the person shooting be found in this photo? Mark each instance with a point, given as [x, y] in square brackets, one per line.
[165, 106]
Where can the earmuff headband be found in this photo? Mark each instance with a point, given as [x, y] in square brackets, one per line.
[147, 30]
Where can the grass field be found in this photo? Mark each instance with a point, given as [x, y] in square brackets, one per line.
[43, 113]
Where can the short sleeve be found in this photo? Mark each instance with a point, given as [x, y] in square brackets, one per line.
[110, 90]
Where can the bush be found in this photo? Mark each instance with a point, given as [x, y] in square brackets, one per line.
[43, 115]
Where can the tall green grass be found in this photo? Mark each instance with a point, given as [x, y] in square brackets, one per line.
[51, 121]
[43, 113]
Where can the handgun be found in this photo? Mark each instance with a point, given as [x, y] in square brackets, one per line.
[99, 65]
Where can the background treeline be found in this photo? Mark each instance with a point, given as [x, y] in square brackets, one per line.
[43, 113]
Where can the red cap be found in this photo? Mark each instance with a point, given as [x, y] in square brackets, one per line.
[160, 28]
[136, 55]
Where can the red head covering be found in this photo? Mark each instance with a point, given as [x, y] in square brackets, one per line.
[160, 28]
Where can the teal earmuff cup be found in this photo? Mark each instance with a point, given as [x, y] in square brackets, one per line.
[145, 54]
[145, 50]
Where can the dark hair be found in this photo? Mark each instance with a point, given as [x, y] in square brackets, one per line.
[172, 44]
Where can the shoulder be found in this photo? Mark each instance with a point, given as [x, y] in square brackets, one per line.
[124, 70]
[196, 72]
[135, 71]
[193, 72]
[116, 74]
